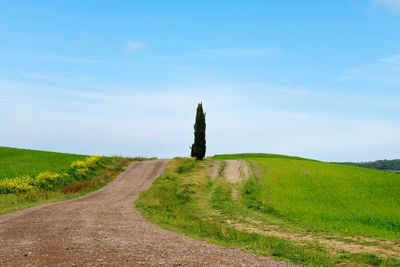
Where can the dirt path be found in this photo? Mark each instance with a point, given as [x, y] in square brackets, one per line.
[236, 170]
[103, 228]
[332, 243]
[213, 171]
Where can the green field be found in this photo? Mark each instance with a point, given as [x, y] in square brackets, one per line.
[304, 211]
[15, 162]
[30, 177]
[329, 197]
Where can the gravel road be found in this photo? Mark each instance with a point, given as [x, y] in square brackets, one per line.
[103, 228]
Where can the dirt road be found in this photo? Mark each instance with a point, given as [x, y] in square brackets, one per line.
[103, 228]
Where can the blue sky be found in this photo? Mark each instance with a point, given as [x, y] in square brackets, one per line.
[318, 79]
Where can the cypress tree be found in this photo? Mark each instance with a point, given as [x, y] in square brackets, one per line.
[198, 149]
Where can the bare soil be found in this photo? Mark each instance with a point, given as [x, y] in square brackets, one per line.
[103, 228]
[236, 170]
[332, 243]
[213, 171]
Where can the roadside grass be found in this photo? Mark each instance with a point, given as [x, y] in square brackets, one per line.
[15, 162]
[185, 200]
[72, 179]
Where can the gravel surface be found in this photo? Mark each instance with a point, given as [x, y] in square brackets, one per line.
[103, 228]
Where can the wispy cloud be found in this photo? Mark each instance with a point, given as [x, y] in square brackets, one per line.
[383, 74]
[392, 5]
[40, 76]
[237, 52]
[133, 45]
[44, 76]
[51, 57]
[393, 58]
[224, 53]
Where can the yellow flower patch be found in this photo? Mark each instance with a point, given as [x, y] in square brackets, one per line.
[47, 179]
[79, 167]
[92, 161]
[15, 185]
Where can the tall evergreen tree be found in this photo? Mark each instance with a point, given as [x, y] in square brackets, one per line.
[198, 149]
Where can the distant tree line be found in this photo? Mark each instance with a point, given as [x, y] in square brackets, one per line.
[385, 165]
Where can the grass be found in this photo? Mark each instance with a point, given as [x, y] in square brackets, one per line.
[107, 168]
[184, 199]
[15, 162]
[329, 197]
[255, 155]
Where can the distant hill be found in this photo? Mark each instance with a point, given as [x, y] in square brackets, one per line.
[384, 165]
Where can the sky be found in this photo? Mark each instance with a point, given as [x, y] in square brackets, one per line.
[316, 79]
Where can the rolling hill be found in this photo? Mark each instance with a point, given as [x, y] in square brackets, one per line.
[15, 161]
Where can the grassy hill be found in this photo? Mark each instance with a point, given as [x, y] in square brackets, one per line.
[329, 197]
[15, 162]
[31, 177]
[304, 211]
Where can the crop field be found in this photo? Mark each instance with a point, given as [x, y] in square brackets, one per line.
[30, 177]
[303, 211]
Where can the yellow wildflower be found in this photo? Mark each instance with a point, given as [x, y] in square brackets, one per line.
[92, 161]
[14, 185]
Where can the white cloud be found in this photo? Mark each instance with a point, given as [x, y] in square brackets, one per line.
[133, 45]
[392, 5]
